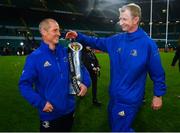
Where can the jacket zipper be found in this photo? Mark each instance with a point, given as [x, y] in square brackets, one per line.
[58, 64]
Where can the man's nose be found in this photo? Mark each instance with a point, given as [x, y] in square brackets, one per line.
[59, 33]
[120, 22]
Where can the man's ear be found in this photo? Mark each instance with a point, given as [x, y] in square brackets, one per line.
[43, 32]
[136, 20]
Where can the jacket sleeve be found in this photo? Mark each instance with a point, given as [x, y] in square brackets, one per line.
[26, 82]
[86, 80]
[94, 42]
[156, 71]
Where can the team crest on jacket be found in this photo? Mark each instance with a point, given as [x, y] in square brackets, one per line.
[133, 52]
[65, 59]
[47, 64]
[119, 50]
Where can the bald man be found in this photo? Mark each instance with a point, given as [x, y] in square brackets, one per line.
[47, 69]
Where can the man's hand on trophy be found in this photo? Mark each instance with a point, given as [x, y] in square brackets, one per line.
[83, 90]
[71, 35]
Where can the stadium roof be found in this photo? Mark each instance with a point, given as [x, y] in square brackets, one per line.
[106, 10]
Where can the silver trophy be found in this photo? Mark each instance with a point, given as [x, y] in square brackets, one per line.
[75, 67]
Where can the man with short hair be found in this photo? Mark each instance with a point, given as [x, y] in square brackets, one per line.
[47, 68]
[132, 55]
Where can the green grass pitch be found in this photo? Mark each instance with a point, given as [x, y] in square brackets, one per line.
[17, 115]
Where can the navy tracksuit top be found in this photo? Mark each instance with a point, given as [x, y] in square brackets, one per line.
[45, 77]
[132, 56]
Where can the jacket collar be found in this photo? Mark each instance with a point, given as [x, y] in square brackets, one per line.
[137, 34]
[45, 47]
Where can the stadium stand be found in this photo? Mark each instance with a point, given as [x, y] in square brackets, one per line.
[21, 18]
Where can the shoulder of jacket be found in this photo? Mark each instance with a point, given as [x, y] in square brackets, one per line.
[35, 54]
[152, 43]
[119, 35]
[63, 51]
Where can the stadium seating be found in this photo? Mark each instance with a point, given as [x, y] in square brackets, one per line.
[17, 24]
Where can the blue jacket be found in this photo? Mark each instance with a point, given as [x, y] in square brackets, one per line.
[48, 71]
[132, 56]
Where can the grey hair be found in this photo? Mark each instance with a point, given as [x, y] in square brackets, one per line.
[44, 24]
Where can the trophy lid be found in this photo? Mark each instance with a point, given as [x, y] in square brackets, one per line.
[75, 46]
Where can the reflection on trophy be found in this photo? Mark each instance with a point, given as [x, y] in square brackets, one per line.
[74, 56]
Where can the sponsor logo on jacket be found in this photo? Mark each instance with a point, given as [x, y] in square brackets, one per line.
[47, 64]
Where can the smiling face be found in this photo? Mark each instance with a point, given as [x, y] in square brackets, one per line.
[130, 16]
[50, 32]
[127, 22]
